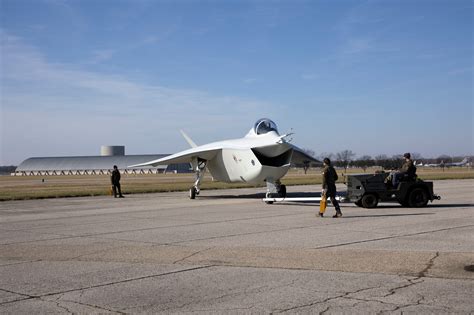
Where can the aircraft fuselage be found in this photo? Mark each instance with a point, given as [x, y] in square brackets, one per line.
[251, 160]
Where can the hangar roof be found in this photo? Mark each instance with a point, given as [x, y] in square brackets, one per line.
[86, 162]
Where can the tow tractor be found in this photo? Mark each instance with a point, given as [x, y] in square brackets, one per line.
[367, 190]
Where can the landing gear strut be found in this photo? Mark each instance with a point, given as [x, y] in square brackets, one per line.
[275, 189]
[199, 166]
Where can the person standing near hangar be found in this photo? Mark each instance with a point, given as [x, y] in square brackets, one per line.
[115, 179]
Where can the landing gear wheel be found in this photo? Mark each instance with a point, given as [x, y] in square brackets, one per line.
[418, 198]
[268, 195]
[282, 191]
[369, 201]
[192, 193]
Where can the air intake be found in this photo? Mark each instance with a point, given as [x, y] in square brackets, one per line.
[275, 161]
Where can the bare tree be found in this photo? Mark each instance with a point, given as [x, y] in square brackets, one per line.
[416, 156]
[365, 158]
[444, 159]
[364, 162]
[309, 152]
[381, 157]
[326, 155]
[397, 157]
[344, 158]
[306, 164]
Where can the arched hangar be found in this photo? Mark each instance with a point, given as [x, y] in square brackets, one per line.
[95, 165]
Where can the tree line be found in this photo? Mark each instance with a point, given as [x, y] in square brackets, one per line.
[7, 170]
[347, 158]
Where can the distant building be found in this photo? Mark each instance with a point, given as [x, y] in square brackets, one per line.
[96, 165]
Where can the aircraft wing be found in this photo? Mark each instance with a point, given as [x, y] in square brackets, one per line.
[300, 157]
[186, 156]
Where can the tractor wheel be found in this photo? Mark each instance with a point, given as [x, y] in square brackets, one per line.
[404, 203]
[369, 201]
[282, 191]
[418, 198]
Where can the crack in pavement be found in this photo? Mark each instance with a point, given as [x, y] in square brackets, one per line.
[83, 304]
[399, 307]
[323, 301]
[97, 235]
[246, 292]
[392, 291]
[66, 236]
[20, 262]
[189, 256]
[58, 304]
[429, 265]
[392, 237]
[17, 293]
[28, 296]
[347, 295]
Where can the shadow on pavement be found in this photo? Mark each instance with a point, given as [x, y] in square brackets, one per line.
[385, 215]
[452, 205]
[261, 195]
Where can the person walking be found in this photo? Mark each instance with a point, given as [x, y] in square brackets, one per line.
[329, 186]
[115, 179]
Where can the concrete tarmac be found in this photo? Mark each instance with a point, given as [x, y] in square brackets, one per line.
[228, 252]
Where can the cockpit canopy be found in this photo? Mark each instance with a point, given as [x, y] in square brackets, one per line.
[264, 125]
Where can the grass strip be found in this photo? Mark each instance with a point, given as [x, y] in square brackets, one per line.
[41, 187]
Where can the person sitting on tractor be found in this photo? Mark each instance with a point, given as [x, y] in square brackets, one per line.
[407, 173]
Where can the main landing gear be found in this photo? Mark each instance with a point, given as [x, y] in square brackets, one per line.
[274, 190]
[199, 165]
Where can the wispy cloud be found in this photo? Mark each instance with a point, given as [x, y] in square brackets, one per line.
[357, 46]
[459, 71]
[99, 56]
[68, 100]
[250, 80]
[309, 76]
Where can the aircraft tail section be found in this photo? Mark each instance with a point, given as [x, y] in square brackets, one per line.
[188, 139]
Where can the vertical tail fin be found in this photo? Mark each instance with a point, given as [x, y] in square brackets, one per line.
[188, 139]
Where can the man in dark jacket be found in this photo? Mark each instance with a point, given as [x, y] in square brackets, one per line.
[115, 178]
[329, 186]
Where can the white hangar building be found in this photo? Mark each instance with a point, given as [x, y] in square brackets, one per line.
[96, 165]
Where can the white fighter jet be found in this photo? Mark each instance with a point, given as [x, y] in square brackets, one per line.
[261, 156]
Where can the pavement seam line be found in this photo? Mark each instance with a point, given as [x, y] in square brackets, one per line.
[97, 235]
[394, 236]
[105, 284]
[193, 254]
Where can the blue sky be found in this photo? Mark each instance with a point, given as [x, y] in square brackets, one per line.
[374, 77]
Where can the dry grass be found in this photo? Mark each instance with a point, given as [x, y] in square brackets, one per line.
[33, 187]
